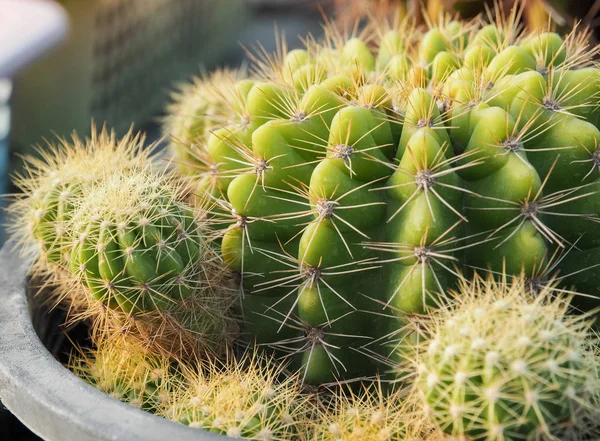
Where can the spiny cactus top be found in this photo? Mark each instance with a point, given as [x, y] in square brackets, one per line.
[370, 414]
[366, 172]
[125, 370]
[51, 181]
[250, 398]
[502, 365]
[135, 245]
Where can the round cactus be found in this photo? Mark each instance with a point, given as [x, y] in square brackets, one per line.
[121, 248]
[364, 181]
[501, 365]
[127, 371]
[250, 398]
[136, 247]
[142, 266]
[52, 182]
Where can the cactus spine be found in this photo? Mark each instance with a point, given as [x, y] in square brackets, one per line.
[501, 365]
[250, 398]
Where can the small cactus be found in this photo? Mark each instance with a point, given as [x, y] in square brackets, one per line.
[52, 182]
[499, 364]
[251, 398]
[119, 247]
[126, 371]
[136, 247]
[146, 267]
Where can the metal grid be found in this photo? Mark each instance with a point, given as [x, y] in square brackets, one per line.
[119, 63]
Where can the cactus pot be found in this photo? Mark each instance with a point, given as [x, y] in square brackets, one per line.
[47, 397]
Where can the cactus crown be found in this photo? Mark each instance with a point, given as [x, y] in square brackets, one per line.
[248, 398]
[125, 370]
[370, 413]
[54, 177]
[499, 364]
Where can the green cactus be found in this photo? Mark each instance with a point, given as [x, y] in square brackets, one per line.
[361, 182]
[52, 182]
[136, 247]
[144, 260]
[500, 364]
[121, 250]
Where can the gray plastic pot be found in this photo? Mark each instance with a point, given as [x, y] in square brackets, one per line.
[47, 397]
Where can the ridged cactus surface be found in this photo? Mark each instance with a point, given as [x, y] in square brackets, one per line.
[141, 251]
[359, 177]
[136, 247]
[120, 247]
[52, 181]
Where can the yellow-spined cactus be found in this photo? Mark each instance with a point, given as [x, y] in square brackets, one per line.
[252, 398]
[126, 371]
[52, 181]
[502, 364]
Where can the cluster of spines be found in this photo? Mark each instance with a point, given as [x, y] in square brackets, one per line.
[135, 245]
[252, 398]
[51, 180]
[499, 364]
[127, 371]
[373, 412]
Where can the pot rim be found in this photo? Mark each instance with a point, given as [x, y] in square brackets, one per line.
[48, 398]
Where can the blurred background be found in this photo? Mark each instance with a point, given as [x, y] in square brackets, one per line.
[116, 61]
